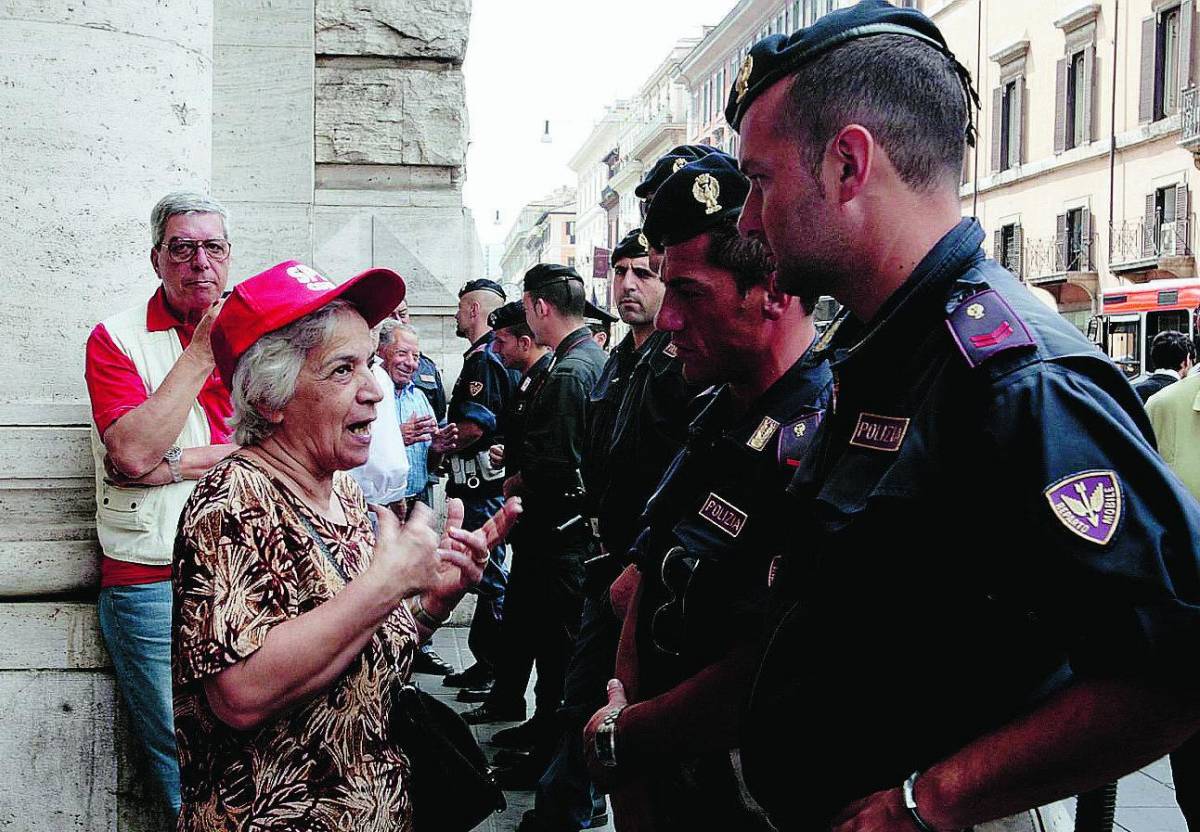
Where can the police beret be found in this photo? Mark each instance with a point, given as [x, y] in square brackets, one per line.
[591, 312]
[510, 314]
[634, 244]
[673, 160]
[483, 285]
[543, 274]
[695, 198]
[778, 55]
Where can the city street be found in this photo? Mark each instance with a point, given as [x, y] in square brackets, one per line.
[1145, 799]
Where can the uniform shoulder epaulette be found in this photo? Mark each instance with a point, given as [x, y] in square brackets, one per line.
[984, 325]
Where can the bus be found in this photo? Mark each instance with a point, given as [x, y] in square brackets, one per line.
[1132, 315]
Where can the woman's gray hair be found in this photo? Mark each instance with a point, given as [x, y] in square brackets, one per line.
[183, 202]
[266, 374]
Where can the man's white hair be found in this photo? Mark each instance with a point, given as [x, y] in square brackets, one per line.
[183, 202]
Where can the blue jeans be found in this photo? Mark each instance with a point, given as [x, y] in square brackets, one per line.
[484, 636]
[136, 623]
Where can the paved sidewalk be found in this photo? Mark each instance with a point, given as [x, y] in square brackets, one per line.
[1145, 799]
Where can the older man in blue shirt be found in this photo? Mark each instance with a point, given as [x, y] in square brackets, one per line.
[399, 352]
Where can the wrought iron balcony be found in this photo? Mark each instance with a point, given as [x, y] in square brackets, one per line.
[1189, 107]
[1049, 258]
[1135, 244]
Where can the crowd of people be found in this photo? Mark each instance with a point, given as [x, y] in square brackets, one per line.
[923, 571]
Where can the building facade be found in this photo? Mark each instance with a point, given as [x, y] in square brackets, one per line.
[544, 232]
[1084, 168]
[597, 214]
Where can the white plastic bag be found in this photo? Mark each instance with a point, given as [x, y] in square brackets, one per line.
[384, 478]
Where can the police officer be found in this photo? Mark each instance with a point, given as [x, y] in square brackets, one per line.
[667, 164]
[636, 422]
[556, 531]
[992, 598]
[713, 522]
[519, 352]
[482, 392]
[515, 346]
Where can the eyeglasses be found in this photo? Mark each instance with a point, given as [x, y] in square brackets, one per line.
[181, 251]
[667, 626]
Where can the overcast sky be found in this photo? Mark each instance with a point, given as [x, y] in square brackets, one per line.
[529, 61]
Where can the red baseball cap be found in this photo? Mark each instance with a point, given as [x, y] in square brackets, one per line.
[286, 293]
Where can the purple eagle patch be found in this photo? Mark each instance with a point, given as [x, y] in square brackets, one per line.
[1089, 504]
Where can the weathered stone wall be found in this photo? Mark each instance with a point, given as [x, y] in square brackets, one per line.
[391, 141]
[263, 129]
[103, 108]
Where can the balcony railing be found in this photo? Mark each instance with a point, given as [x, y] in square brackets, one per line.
[1135, 242]
[1046, 257]
[1189, 108]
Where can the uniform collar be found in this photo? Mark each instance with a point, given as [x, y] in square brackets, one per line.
[799, 387]
[571, 342]
[159, 316]
[480, 342]
[794, 391]
[935, 275]
[540, 365]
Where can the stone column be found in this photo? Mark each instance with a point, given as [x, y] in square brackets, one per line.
[103, 109]
[391, 140]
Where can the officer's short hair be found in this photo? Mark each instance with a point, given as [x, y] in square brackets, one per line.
[1169, 350]
[744, 257]
[567, 296]
[904, 91]
[520, 330]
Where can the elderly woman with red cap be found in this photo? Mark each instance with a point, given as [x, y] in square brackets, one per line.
[294, 621]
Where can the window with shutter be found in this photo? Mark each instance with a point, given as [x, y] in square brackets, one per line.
[1061, 105]
[1148, 62]
[1011, 121]
[1182, 220]
[1073, 253]
[998, 155]
[1075, 82]
[1016, 123]
[1060, 243]
[1166, 78]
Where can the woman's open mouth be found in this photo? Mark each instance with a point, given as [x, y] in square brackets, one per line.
[361, 430]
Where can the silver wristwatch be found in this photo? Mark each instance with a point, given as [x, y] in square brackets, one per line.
[173, 455]
[606, 738]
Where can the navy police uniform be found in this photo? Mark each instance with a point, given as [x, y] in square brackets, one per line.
[1046, 540]
[556, 538]
[482, 392]
[713, 535]
[637, 418]
[712, 527]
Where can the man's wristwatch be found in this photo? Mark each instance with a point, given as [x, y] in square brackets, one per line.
[173, 455]
[910, 802]
[606, 738]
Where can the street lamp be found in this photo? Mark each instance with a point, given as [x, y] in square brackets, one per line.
[546, 133]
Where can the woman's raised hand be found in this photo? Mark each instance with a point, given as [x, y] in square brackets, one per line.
[458, 574]
[407, 560]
